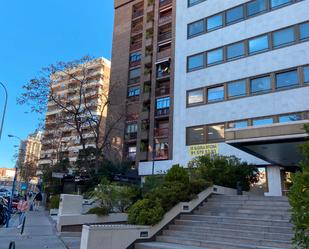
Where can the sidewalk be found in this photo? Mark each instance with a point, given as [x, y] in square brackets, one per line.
[39, 233]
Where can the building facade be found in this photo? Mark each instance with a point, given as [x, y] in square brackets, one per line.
[143, 68]
[86, 88]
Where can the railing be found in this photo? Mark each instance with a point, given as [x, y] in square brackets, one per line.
[136, 45]
[161, 74]
[134, 80]
[137, 13]
[137, 29]
[135, 63]
[162, 91]
[164, 3]
[163, 54]
[161, 132]
[130, 136]
[132, 117]
[165, 19]
[165, 36]
[162, 112]
[161, 154]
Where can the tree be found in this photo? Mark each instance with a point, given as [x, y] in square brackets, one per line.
[77, 112]
[299, 200]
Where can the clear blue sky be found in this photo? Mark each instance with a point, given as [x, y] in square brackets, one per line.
[36, 33]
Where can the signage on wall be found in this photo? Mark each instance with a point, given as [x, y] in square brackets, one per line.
[203, 149]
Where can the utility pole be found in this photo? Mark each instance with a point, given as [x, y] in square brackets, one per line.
[4, 108]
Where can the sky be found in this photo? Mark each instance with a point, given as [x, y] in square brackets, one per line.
[35, 34]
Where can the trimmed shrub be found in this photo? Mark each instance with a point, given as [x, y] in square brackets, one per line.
[100, 211]
[146, 212]
[54, 202]
[198, 185]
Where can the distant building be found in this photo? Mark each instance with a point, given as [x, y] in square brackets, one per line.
[61, 140]
[6, 174]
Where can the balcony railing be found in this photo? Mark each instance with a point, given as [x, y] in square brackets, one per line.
[134, 80]
[137, 13]
[132, 117]
[135, 63]
[165, 36]
[164, 3]
[161, 132]
[164, 54]
[137, 29]
[165, 19]
[132, 98]
[162, 112]
[136, 45]
[130, 136]
[161, 74]
[161, 154]
[165, 90]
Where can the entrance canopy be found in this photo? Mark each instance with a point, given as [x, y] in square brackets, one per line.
[277, 144]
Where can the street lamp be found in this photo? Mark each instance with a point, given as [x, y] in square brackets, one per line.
[13, 186]
[4, 108]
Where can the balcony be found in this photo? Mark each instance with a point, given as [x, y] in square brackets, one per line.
[164, 54]
[135, 63]
[162, 112]
[164, 90]
[163, 73]
[131, 136]
[132, 99]
[134, 80]
[137, 29]
[137, 13]
[136, 45]
[165, 19]
[161, 154]
[165, 36]
[132, 117]
[161, 132]
[165, 3]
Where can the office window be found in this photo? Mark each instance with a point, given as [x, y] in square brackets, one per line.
[304, 31]
[306, 75]
[215, 94]
[236, 50]
[215, 56]
[196, 96]
[286, 79]
[262, 121]
[290, 118]
[256, 7]
[277, 3]
[239, 124]
[236, 89]
[134, 73]
[196, 61]
[131, 128]
[215, 133]
[260, 84]
[196, 28]
[214, 22]
[234, 14]
[163, 103]
[135, 57]
[195, 135]
[258, 44]
[194, 2]
[133, 91]
[283, 37]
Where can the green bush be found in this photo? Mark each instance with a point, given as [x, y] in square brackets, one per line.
[100, 211]
[152, 182]
[198, 185]
[177, 174]
[146, 212]
[54, 202]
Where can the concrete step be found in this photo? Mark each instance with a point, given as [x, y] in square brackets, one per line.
[247, 227]
[232, 232]
[237, 220]
[251, 197]
[210, 244]
[246, 205]
[260, 203]
[246, 210]
[162, 245]
[240, 238]
[244, 215]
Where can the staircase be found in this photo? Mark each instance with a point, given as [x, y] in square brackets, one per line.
[230, 222]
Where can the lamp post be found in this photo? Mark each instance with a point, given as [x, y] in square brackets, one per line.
[4, 108]
[13, 186]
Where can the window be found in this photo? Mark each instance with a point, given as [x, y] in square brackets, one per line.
[236, 89]
[234, 14]
[133, 91]
[195, 135]
[258, 44]
[286, 79]
[196, 28]
[194, 2]
[276, 3]
[262, 121]
[215, 56]
[132, 128]
[163, 103]
[214, 22]
[239, 124]
[260, 84]
[215, 94]
[256, 7]
[306, 74]
[196, 61]
[135, 57]
[283, 37]
[135, 73]
[290, 118]
[215, 133]
[196, 96]
[132, 153]
[304, 31]
[236, 50]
